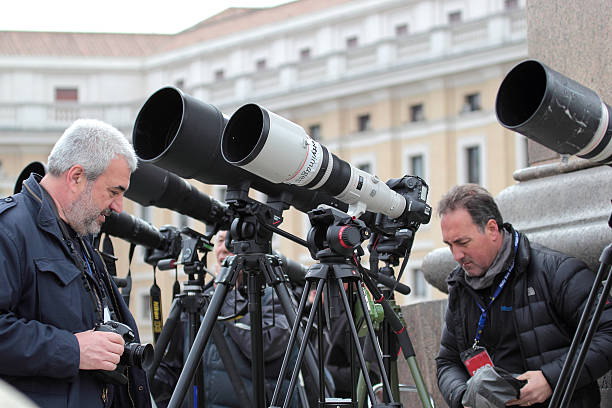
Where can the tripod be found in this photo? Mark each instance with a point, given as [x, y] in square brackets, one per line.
[193, 302]
[389, 250]
[251, 244]
[593, 308]
[333, 238]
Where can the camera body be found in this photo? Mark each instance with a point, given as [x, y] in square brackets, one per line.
[134, 354]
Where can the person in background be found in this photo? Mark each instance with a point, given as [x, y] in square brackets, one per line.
[513, 302]
[55, 287]
[234, 323]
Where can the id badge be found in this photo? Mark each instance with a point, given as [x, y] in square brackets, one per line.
[475, 358]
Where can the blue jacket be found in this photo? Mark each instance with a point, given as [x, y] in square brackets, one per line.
[43, 302]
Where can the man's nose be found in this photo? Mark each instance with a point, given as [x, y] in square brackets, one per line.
[117, 204]
[457, 254]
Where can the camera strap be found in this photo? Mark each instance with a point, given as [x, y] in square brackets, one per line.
[156, 307]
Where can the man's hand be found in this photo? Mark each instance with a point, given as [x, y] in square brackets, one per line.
[536, 390]
[99, 350]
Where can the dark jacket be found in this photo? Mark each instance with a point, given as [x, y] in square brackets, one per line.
[43, 302]
[218, 387]
[545, 298]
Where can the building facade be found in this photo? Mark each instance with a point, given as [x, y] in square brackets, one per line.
[393, 87]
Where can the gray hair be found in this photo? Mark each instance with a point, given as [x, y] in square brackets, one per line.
[476, 200]
[93, 144]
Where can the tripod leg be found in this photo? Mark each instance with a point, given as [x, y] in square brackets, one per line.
[353, 330]
[310, 358]
[195, 354]
[257, 363]
[374, 340]
[165, 336]
[304, 343]
[606, 263]
[290, 345]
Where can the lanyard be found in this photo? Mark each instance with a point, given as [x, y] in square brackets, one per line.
[484, 310]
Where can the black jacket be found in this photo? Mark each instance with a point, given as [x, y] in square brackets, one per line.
[219, 390]
[545, 298]
[43, 302]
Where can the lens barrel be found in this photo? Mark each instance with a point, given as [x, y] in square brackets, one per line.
[134, 230]
[138, 355]
[152, 185]
[181, 134]
[555, 111]
[280, 151]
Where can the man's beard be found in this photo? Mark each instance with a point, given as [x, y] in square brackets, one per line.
[83, 214]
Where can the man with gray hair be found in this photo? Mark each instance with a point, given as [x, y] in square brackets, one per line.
[512, 305]
[55, 287]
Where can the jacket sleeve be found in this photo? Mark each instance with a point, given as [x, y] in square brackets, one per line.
[29, 347]
[452, 375]
[571, 285]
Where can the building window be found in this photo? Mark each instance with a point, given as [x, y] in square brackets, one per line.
[419, 284]
[351, 42]
[305, 54]
[145, 306]
[144, 213]
[363, 122]
[219, 74]
[454, 17]
[401, 30]
[511, 4]
[219, 193]
[315, 131]
[182, 221]
[260, 65]
[66, 94]
[471, 103]
[417, 113]
[472, 154]
[417, 165]
[367, 167]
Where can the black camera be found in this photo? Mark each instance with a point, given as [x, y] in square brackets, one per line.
[134, 354]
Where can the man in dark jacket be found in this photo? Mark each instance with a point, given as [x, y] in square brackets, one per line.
[520, 303]
[55, 288]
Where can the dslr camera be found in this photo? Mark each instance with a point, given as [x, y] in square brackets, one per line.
[134, 354]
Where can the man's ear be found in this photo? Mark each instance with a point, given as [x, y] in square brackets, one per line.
[492, 228]
[75, 177]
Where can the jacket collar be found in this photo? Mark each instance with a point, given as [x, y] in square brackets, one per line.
[46, 217]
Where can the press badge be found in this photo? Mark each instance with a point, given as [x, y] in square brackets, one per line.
[475, 358]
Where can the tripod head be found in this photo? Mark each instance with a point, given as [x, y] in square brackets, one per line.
[334, 234]
[190, 244]
[248, 232]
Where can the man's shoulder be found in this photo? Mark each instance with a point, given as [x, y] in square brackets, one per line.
[7, 203]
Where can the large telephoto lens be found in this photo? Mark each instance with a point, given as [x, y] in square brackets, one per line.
[183, 135]
[134, 230]
[555, 111]
[152, 185]
[280, 151]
